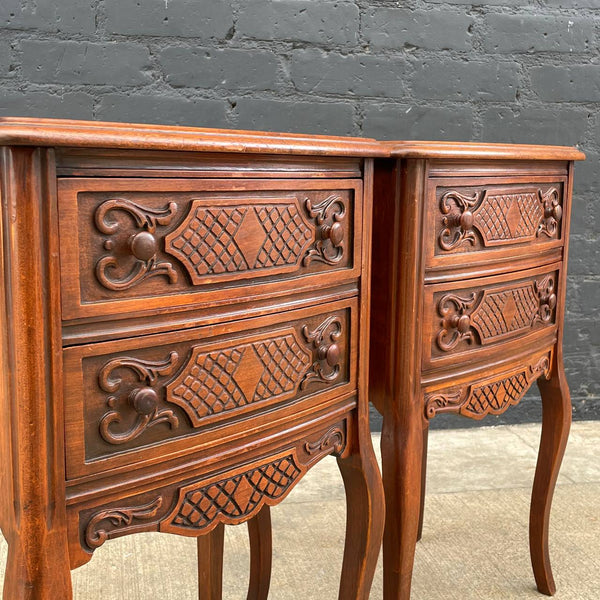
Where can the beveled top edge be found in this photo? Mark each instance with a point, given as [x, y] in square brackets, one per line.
[64, 132]
[480, 150]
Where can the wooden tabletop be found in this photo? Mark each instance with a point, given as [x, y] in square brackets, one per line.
[63, 132]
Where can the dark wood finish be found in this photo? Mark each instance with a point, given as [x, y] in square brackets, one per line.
[468, 291]
[185, 326]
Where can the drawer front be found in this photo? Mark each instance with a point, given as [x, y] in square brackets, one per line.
[183, 390]
[482, 314]
[490, 392]
[141, 244]
[492, 219]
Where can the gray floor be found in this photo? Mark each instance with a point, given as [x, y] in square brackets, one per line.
[474, 545]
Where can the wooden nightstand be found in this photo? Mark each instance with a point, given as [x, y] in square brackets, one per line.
[468, 291]
[184, 334]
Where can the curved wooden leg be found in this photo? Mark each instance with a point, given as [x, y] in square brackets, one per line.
[38, 571]
[210, 564]
[556, 422]
[402, 458]
[365, 515]
[259, 532]
[423, 478]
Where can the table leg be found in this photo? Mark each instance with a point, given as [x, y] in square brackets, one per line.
[365, 516]
[210, 564]
[556, 422]
[423, 478]
[259, 532]
[402, 458]
[37, 569]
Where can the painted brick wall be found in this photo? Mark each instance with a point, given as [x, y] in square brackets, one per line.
[501, 70]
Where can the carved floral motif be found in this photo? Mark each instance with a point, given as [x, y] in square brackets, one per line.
[324, 339]
[458, 220]
[329, 246]
[141, 245]
[142, 400]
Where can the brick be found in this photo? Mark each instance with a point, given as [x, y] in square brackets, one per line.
[584, 256]
[586, 173]
[457, 80]
[70, 105]
[183, 18]
[483, 2]
[318, 72]
[529, 33]
[299, 20]
[573, 83]
[404, 121]
[291, 116]
[574, 3]
[6, 58]
[161, 109]
[228, 69]
[124, 64]
[535, 125]
[69, 16]
[396, 28]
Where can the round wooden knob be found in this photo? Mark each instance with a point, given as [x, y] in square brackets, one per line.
[335, 233]
[143, 245]
[466, 220]
[144, 400]
[551, 302]
[557, 212]
[462, 323]
[330, 354]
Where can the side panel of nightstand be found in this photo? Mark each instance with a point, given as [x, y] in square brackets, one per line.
[33, 515]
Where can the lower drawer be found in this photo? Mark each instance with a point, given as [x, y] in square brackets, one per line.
[144, 399]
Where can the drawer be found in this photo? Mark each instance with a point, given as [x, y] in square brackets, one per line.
[491, 391]
[140, 400]
[474, 320]
[134, 245]
[492, 219]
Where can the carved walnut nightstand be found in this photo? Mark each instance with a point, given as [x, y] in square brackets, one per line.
[468, 290]
[184, 334]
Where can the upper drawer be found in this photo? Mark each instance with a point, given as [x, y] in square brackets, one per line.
[492, 219]
[142, 244]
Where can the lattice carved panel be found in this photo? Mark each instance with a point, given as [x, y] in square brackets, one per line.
[493, 396]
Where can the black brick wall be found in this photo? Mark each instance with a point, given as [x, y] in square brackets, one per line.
[501, 70]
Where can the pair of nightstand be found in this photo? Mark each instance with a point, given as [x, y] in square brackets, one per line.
[185, 326]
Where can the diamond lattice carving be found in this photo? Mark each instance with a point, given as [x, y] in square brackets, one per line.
[225, 241]
[496, 396]
[507, 217]
[505, 312]
[224, 379]
[237, 497]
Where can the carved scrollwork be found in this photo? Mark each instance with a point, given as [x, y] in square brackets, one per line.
[443, 401]
[552, 212]
[122, 519]
[456, 323]
[329, 245]
[458, 220]
[333, 440]
[143, 400]
[142, 245]
[324, 339]
[545, 289]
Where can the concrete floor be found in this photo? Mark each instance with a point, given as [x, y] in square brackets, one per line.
[474, 545]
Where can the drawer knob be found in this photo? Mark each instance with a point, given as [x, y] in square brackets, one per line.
[334, 233]
[461, 323]
[330, 354]
[143, 245]
[553, 211]
[144, 400]
[466, 220]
